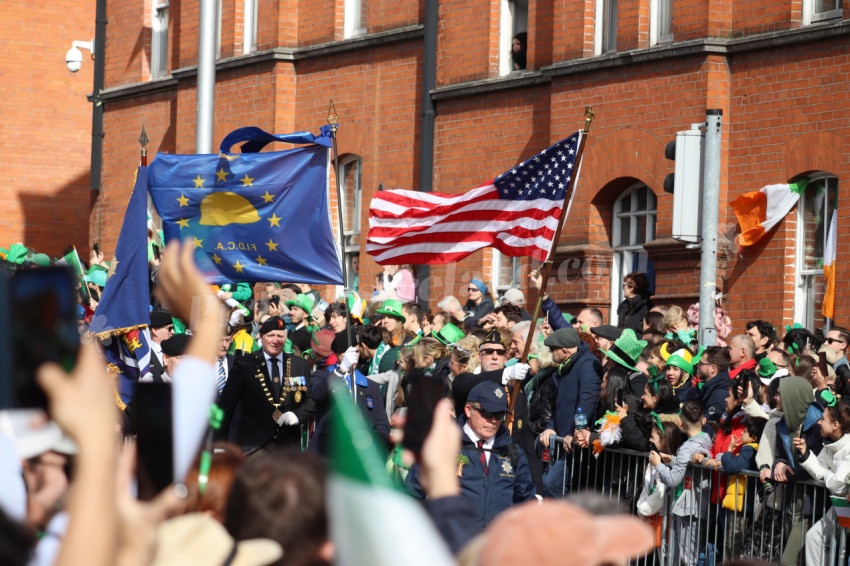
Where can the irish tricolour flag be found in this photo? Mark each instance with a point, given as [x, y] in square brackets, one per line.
[842, 509]
[760, 211]
[372, 523]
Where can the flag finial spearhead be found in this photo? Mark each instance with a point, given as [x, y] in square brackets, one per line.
[333, 118]
[143, 141]
[588, 118]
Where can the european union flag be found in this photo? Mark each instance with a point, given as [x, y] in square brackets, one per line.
[124, 309]
[255, 216]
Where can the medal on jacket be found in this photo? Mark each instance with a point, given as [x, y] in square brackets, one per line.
[297, 396]
[276, 415]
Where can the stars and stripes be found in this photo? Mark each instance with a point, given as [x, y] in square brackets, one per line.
[517, 214]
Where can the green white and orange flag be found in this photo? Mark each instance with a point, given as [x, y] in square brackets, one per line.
[842, 509]
[829, 255]
[760, 211]
[372, 522]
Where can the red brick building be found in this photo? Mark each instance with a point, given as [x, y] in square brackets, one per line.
[649, 68]
[45, 125]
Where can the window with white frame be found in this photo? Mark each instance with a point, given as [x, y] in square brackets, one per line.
[218, 29]
[352, 202]
[633, 225]
[249, 26]
[814, 213]
[354, 18]
[660, 21]
[605, 37]
[819, 10]
[513, 28]
[506, 273]
[159, 40]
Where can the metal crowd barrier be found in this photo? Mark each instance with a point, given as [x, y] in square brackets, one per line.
[771, 526]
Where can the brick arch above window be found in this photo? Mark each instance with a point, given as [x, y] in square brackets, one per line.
[350, 138]
[640, 155]
[813, 151]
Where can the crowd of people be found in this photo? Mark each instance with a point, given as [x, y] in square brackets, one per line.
[498, 387]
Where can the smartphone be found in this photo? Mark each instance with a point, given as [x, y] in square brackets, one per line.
[96, 248]
[620, 397]
[322, 305]
[275, 300]
[822, 364]
[425, 392]
[800, 432]
[38, 323]
[154, 438]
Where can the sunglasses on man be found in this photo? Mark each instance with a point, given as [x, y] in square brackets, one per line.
[500, 415]
[831, 340]
[492, 351]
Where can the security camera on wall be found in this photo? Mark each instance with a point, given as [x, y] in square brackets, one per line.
[74, 59]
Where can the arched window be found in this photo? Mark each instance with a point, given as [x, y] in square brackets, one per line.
[352, 201]
[633, 225]
[814, 214]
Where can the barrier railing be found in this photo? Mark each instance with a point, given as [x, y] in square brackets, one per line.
[694, 527]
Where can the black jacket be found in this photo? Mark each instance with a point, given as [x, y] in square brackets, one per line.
[541, 391]
[637, 426]
[630, 313]
[368, 398]
[245, 385]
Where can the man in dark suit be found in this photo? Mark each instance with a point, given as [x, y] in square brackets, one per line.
[274, 391]
[162, 328]
[223, 363]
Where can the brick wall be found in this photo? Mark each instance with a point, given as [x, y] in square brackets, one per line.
[45, 126]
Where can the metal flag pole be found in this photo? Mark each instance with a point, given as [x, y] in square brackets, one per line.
[333, 120]
[547, 265]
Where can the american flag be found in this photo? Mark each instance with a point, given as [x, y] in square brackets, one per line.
[517, 213]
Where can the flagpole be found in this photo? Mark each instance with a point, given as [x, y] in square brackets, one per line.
[82, 273]
[333, 120]
[547, 265]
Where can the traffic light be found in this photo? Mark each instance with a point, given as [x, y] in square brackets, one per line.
[686, 183]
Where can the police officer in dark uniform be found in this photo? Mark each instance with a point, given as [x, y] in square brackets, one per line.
[345, 376]
[273, 388]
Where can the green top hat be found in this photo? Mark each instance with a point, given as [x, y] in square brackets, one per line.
[303, 302]
[449, 334]
[392, 307]
[626, 349]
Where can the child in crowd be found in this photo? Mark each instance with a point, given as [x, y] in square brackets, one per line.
[666, 439]
[739, 456]
[832, 466]
[691, 504]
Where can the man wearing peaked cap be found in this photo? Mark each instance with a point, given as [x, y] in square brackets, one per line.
[605, 335]
[579, 383]
[494, 355]
[494, 472]
[274, 390]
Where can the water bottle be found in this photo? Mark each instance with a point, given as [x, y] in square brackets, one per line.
[580, 420]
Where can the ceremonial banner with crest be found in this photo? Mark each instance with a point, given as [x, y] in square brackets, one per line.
[255, 216]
